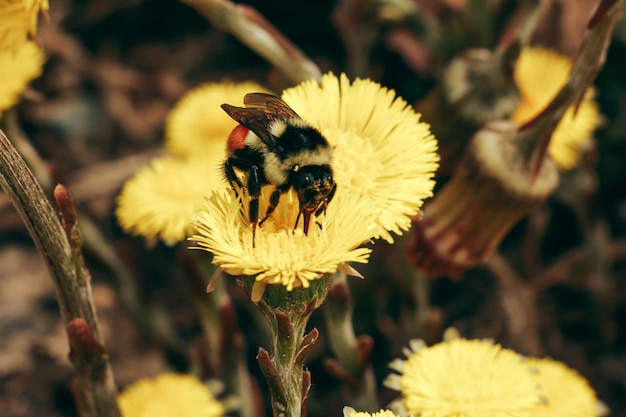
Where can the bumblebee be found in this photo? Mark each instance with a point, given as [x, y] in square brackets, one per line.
[272, 145]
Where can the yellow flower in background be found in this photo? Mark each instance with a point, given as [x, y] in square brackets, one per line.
[539, 75]
[197, 122]
[464, 378]
[17, 68]
[281, 254]
[18, 20]
[381, 148]
[351, 412]
[160, 200]
[567, 394]
[169, 395]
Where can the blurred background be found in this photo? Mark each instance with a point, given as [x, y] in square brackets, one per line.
[96, 115]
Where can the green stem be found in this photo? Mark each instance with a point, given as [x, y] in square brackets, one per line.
[287, 313]
[352, 365]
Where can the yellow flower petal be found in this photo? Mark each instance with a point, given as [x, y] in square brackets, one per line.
[351, 412]
[17, 68]
[197, 120]
[539, 75]
[18, 19]
[169, 395]
[381, 148]
[465, 378]
[567, 393]
[159, 201]
[282, 255]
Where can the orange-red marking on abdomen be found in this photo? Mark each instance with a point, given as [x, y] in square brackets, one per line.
[237, 139]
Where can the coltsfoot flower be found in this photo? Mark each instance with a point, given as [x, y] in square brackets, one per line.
[18, 20]
[539, 75]
[463, 378]
[382, 150]
[18, 67]
[283, 254]
[197, 122]
[566, 392]
[160, 200]
[351, 412]
[169, 395]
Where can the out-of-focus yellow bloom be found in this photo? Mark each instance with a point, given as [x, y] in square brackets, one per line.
[539, 75]
[567, 394]
[282, 254]
[382, 150]
[197, 122]
[169, 395]
[17, 68]
[464, 378]
[160, 200]
[18, 20]
[351, 412]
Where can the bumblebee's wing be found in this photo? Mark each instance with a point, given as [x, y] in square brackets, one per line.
[257, 120]
[260, 112]
[270, 104]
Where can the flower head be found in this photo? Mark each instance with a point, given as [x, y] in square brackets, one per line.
[381, 148]
[351, 412]
[567, 394]
[159, 201]
[197, 122]
[169, 395]
[539, 75]
[464, 378]
[281, 253]
[19, 67]
[18, 19]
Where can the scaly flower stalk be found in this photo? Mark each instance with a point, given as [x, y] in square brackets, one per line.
[252, 29]
[61, 247]
[287, 313]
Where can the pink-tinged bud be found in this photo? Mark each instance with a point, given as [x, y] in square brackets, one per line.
[490, 191]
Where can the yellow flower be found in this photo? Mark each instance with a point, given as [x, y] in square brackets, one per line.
[351, 412]
[567, 394]
[381, 148]
[17, 69]
[169, 395]
[281, 253]
[18, 19]
[159, 201]
[464, 378]
[197, 121]
[539, 75]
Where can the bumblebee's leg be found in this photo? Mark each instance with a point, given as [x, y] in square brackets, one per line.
[322, 208]
[231, 175]
[306, 215]
[274, 198]
[254, 191]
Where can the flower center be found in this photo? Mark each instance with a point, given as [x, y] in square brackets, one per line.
[350, 150]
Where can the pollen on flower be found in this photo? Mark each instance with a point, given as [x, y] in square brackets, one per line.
[565, 391]
[169, 395]
[282, 254]
[159, 201]
[19, 67]
[382, 150]
[197, 121]
[539, 75]
[461, 377]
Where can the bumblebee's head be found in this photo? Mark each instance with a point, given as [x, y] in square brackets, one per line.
[314, 185]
